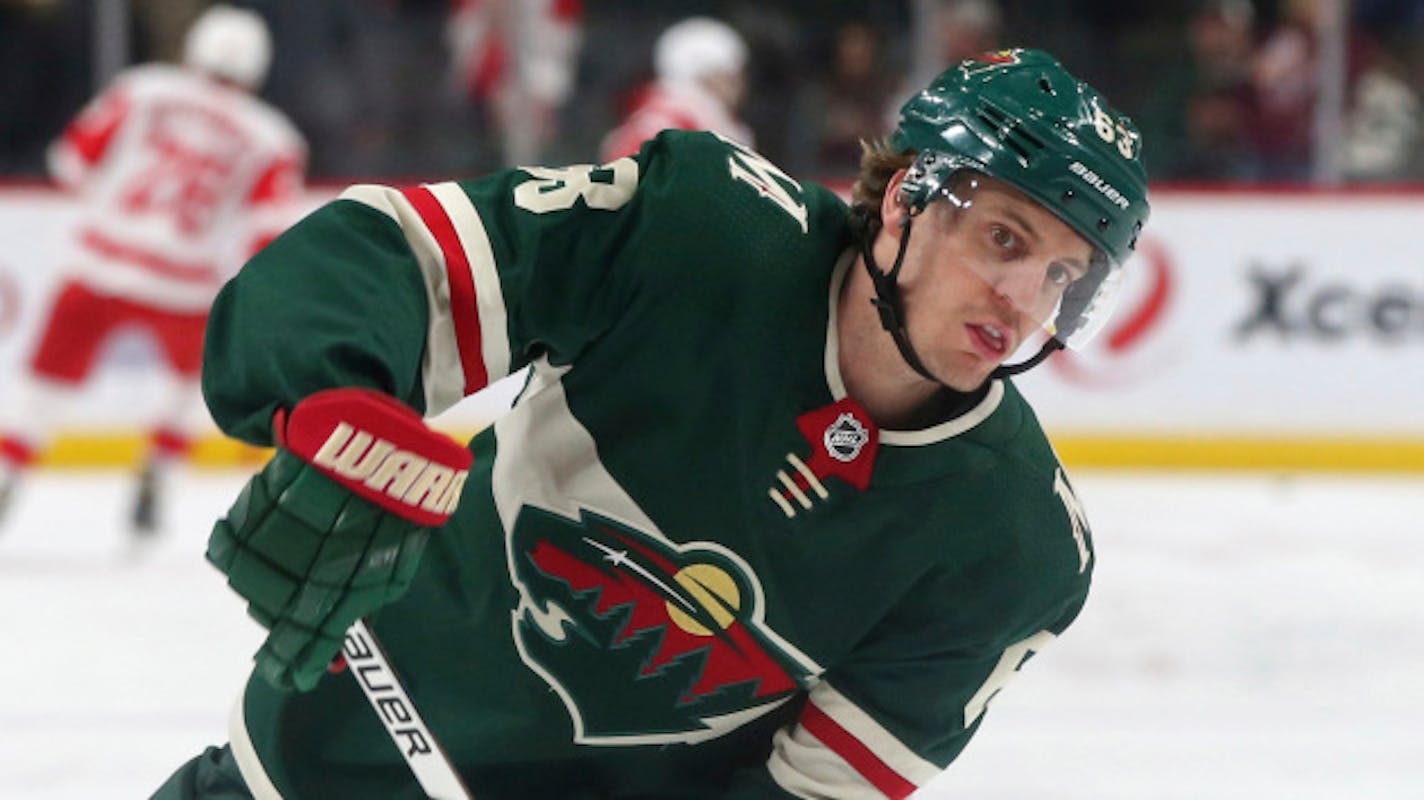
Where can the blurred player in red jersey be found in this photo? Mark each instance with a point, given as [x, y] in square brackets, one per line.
[701, 79]
[517, 59]
[182, 173]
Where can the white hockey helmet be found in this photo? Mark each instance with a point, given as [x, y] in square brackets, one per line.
[696, 47]
[230, 43]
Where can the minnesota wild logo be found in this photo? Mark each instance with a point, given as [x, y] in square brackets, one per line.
[645, 641]
[989, 60]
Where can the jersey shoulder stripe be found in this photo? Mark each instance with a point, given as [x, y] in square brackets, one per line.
[459, 281]
[466, 345]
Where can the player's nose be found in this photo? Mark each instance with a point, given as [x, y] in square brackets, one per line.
[1021, 287]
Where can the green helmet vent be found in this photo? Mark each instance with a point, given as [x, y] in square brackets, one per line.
[1025, 146]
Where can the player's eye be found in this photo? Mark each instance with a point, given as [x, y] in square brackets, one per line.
[1008, 242]
[1062, 274]
[1002, 236]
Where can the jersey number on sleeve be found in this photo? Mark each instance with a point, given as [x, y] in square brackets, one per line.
[752, 168]
[1008, 666]
[1076, 517]
[606, 187]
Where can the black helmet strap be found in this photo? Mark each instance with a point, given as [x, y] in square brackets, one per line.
[1049, 347]
[887, 300]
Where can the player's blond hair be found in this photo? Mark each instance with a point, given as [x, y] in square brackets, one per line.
[879, 161]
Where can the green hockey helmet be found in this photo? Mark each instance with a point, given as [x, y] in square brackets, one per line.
[1018, 116]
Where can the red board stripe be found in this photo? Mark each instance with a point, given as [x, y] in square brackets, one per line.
[890, 783]
[461, 282]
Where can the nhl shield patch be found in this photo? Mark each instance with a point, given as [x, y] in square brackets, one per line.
[845, 438]
[843, 442]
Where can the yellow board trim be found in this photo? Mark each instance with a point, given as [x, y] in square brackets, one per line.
[1296, 453]
[105, 449]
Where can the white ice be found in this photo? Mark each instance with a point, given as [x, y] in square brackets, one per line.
[1249, 636]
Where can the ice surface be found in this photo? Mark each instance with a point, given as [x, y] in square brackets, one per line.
[1249, 636]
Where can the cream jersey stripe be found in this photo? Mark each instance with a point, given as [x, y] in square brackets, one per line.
[805, 767]
[442, 375]
[253, 773]
[489, 298]
[874, 736]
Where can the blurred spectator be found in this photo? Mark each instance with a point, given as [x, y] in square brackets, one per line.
[966, 28]
[516, 62]
[956, 30]
[163, 24]
[48, 69]
[700, 65]
[181, 173]
[408, 88]
[1199, 119]
[836, 112]
[404, 117]
[779, 66]
[1284, 76]
[1382, 137]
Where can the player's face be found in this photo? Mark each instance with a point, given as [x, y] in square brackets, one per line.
[983, 270]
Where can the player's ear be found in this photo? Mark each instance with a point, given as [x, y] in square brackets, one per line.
[892, 204]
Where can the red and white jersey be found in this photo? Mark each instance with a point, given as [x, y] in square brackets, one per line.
[181, 178]
[679, 106]
[486, 37]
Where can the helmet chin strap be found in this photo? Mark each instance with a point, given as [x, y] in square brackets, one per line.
[1049, 347]
[888, 303]
[887, 298]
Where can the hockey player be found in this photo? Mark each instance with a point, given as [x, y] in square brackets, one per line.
[768, 520]
[700, 64]
[182, 173]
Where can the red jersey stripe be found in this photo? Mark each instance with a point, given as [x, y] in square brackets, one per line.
[880, 775]
[281, 182]
[461, 282]
[105, 247]
[89, 136]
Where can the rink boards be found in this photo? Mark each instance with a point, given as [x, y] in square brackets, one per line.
[1256, 329]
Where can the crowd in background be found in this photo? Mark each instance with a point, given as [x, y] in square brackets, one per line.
[1223, 89]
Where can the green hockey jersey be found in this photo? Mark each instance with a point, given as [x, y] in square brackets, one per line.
[686, 564]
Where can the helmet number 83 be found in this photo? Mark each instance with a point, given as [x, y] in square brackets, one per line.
[1113, 130]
